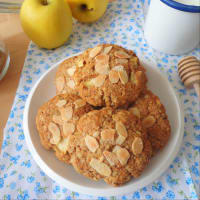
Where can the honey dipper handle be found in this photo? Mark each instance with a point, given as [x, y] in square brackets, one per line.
[197, 88]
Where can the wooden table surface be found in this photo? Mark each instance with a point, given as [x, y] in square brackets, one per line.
[17, 42]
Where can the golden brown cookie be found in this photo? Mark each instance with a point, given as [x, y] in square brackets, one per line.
[64, 76]
[110, 76]
[56, 121]
[111, 145]
[154, 119]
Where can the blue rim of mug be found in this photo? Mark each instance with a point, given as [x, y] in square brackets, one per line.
[182, 7]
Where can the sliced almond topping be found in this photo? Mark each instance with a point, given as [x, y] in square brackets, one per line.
[118, 68]
[148, 121]
[91, 143]
[122, 132]
[121, 129]
[102, 58]
[107, 49]
[134, 60]
[133, 78]
[55, 131]
[99, 80]
[120, 139]
[71, 84]
[70, 143]
[138, 76]
[101, 159]
[71, 70]
[108, 135]
[121, 54]
[100, 167]
[115, 149]
[80, 63]
[68, 129]
[122, 155]
[95, 51]
[135, 111]
[61, 103]
[110, 157]
[121, 61]
[96, 134]
[60, 82]
[57, 119]
[113, 76]
[137, 146]
[102, 68]
[123, 76]
[62, 145]
[79, 103]
[66, 113]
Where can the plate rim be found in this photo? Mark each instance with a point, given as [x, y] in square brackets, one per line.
[93, 191]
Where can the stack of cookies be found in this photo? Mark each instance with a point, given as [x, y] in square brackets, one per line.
[104, 121]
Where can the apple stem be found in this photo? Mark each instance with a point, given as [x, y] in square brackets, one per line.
[84, 7]
[44, 2]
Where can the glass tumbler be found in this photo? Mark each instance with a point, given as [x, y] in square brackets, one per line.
[4, 59]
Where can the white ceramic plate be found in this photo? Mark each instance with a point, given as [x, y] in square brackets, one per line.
[65, 175]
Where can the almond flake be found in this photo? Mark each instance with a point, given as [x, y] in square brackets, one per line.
[113, 76]
[138, 76]
[91, 143]
[60, 82]
[71, 84]
[121, 129]
[95, 51]
[149, 121]
[71, 70]
[122, 155]
[80, 63]
[57, 119]
[120, 139]
[102, 58]
[101, 159]
[79, 103]
[107, 49]
[55, 131]
[68, 129]
[102, 68]
[118, 68]
[115, 149]
[137, 146]
[121, 54]
[134, 61]
[135, 111]
[121, 61]
[133, 78]
[100, 167]
[66, 113]
[96, 134]
[62, 145]
[99, 80]
[61, 103]
[110, 157]
[123, 76]
[70, 143]
[108, 135]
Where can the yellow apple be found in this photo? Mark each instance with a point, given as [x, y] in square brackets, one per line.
[48, 23]
[87, 11]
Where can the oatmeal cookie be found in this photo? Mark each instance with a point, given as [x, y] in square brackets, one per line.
[64, 76]
[110, 76]
[111, 145]
[154, 119]
[56, 120]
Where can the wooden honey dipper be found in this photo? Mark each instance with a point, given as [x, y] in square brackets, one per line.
[189, 72]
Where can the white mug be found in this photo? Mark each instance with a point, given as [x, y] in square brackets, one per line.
[172, 27]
